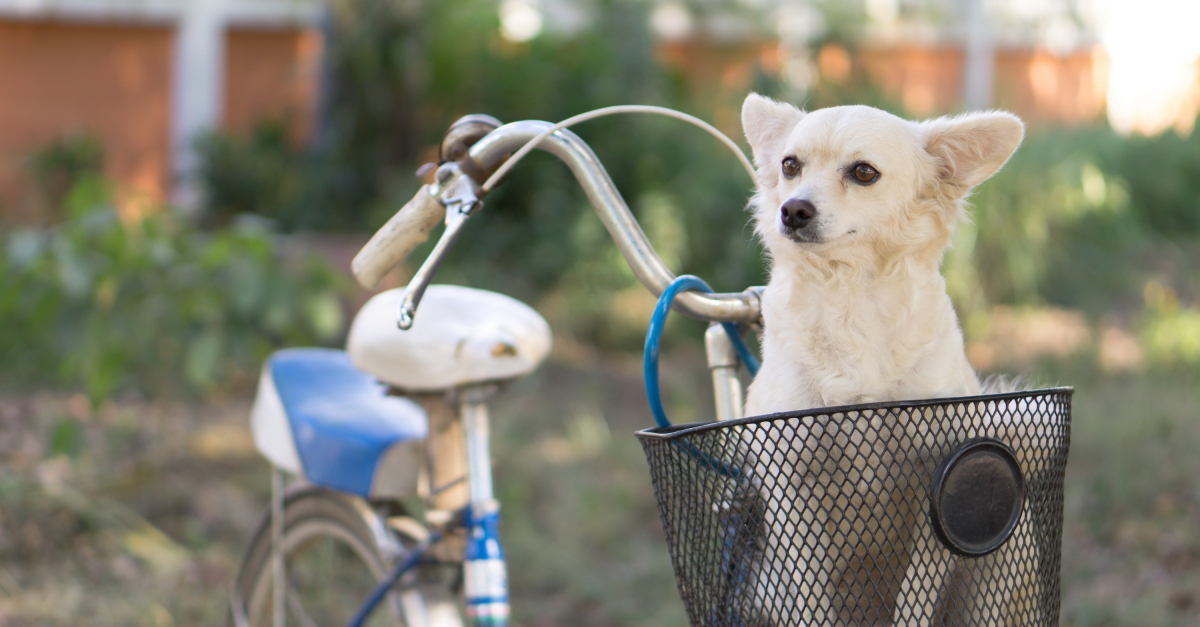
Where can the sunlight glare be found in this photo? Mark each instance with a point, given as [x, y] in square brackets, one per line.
[671, 21]
[1153, 50]
[520, 20]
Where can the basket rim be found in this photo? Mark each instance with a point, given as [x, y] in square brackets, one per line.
[692, 428]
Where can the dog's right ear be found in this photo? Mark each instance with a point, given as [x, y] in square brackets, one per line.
[767, 124]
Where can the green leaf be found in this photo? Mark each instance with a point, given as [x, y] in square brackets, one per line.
[325, 315]
[247, 281]
[73, 272]
[25, 246]
[202, 357]
[66, 438]
[91, 191]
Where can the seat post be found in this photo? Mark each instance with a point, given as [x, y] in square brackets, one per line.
[479, 458]
[485, 574]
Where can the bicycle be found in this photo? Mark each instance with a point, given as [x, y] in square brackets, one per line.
[357, 447]
[360, 447]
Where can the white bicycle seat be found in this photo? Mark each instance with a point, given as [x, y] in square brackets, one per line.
[459, 336]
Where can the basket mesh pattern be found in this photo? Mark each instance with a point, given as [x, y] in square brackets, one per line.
[823, 517]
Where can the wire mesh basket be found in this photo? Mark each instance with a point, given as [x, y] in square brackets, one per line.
[939, 512]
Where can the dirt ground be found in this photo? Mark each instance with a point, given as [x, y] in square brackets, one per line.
[136, 513]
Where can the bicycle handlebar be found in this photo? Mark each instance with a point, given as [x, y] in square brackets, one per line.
[388, 247]
[397, 239]
[647, 266]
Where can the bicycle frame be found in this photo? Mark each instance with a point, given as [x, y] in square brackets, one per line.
[485, 574]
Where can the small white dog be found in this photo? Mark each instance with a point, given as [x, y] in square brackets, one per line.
[856, 208]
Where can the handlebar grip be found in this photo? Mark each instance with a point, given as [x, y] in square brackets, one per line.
[396, 239]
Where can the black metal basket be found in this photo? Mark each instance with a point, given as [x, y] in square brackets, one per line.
[939, 512]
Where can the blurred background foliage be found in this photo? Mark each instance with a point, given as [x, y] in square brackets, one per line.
[1082, 218]
[151, 305]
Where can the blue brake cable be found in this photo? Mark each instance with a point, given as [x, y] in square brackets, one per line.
[414, 557]
[685, 282]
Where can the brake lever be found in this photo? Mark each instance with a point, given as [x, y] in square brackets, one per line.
[462, 198]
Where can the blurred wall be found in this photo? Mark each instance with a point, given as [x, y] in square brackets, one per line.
[1037, 85]
[720, 73]
[59, 78]
[1043, 87]
[925, 79]
[272, 74]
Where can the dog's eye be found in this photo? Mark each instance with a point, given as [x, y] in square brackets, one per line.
[864, 173]
[791, 167]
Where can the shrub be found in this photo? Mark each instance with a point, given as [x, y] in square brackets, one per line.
[55, 170]
[153, 305]
[260, 173]
[1081, 218]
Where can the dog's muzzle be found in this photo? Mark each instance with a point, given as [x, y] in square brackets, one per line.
[797, 220]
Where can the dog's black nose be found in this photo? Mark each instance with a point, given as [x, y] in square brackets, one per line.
[797, 213]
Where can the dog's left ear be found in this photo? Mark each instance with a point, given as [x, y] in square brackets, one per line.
[972, 147]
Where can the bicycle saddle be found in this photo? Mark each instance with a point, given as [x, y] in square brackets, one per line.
[318, 416]
[460, 336]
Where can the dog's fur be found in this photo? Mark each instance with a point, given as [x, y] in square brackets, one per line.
[856, 311]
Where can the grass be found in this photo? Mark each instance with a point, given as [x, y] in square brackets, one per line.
[1131, 543]
[136, 513]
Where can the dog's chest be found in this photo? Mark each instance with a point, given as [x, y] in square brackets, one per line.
[840, 346]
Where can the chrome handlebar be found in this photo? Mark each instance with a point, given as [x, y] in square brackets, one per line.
[647, 266]
[461, 196]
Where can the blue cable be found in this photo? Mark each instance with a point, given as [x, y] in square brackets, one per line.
[686, 282]
[414, 556]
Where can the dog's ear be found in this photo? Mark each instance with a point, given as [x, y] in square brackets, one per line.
[767, 124]
[972, 147]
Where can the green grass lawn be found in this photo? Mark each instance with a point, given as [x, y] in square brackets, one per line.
[136, 514]
[1131, 547]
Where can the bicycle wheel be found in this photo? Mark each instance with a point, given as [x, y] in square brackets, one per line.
[332, 562]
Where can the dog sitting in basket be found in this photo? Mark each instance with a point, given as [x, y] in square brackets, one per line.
[856, 208]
